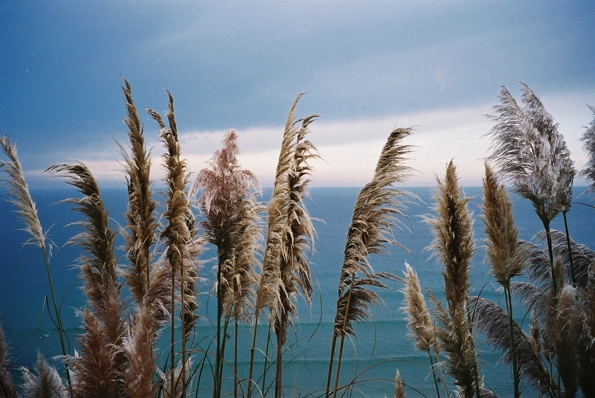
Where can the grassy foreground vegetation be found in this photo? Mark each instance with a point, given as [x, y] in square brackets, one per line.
[262, 268]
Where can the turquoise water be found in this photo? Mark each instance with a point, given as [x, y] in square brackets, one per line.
[381, 346]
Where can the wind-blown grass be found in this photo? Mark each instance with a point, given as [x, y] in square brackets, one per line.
[374, 214]
[130, 304]
[289, 237]
[98, 372]
[17, 188]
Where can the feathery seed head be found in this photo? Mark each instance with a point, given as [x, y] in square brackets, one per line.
[141, 206]
[46, 383]
[506, 258]
[18, 189]
[399, 392]
[375, 212]
[531, 153]
[419, 320]
[588, 139]
[453, 242]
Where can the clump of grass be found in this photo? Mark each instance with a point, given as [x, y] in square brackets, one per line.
[117, 358]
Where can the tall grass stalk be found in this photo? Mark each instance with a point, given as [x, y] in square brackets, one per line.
[140, 215]
[531, 153]
[453, 245]
[506, 259]
[178, 234]
[375, 213]
[228, 201]
[149, 283]
[420, 322]
[17, 188]
[99, 370]
[285, 269]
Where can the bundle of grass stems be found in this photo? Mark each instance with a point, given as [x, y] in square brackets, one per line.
[262, 267]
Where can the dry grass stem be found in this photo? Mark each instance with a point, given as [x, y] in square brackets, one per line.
[531, 153]
[232, 223]
[289, 239]
[18, 189]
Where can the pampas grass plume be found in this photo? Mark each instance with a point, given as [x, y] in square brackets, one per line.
[399, 392]
[45, 384]
[419, 320]
[7, 388]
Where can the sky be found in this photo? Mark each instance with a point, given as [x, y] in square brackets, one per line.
[366, 67]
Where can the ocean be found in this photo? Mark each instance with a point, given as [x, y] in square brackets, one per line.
[382, 344]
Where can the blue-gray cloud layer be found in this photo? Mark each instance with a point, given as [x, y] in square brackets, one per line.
[241, 63]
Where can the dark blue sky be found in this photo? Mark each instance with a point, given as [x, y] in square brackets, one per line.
[366, 66]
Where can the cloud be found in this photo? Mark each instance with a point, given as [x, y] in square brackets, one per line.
[349, 148]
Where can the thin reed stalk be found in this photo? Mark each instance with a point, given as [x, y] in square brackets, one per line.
[17, 188]
[399, 391]
[375, 213]
[147, 281]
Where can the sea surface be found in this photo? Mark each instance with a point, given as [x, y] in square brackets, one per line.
[382, 344]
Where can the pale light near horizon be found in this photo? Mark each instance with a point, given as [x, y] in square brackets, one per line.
[349, 149]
